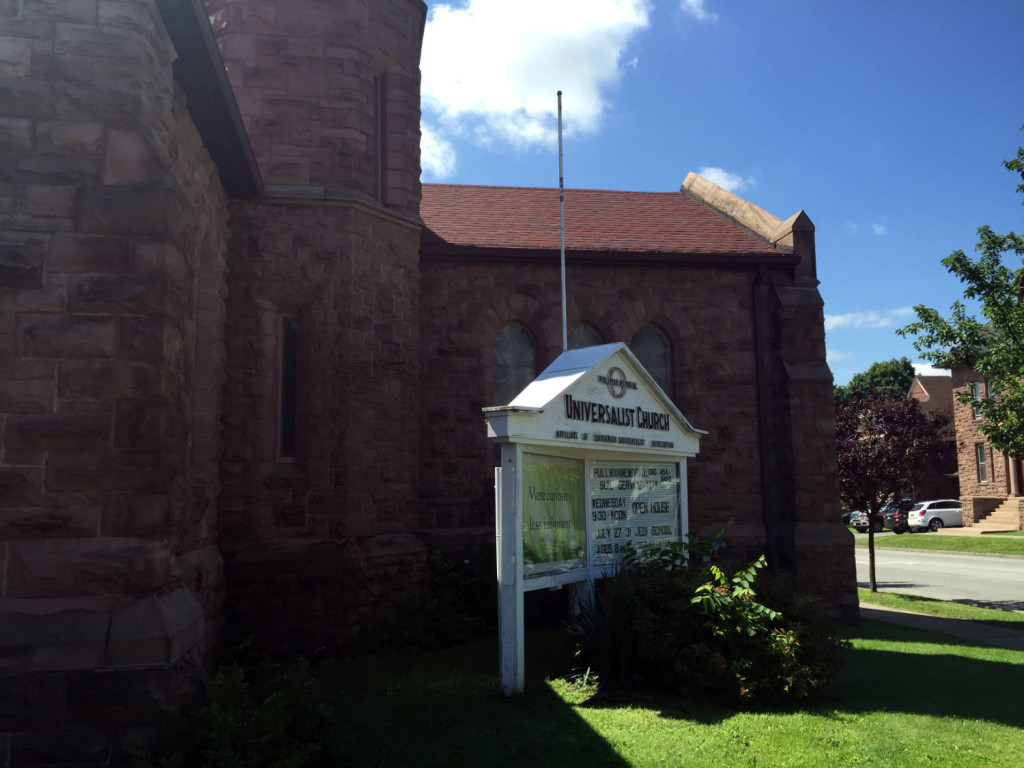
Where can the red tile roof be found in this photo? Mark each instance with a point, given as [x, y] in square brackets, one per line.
[595, 220]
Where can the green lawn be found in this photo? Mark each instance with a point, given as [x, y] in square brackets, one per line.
[984, 544]
[1003, 533]
[1007, 619]
[906, 697]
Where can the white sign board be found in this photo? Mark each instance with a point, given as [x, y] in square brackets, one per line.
[593, 458]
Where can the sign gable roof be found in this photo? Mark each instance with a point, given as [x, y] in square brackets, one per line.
[600, 377]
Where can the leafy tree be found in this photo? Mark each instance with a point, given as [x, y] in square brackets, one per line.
[884, 442]
[890, 376]
[992, 345]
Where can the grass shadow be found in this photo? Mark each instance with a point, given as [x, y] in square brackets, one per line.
[444, 709]
[943, 684]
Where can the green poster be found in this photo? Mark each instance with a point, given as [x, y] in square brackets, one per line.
[554, 528]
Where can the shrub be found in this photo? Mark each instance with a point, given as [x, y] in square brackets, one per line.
[271, 716]
[671, 619]
[462, 606]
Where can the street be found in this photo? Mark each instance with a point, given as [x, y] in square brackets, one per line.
[991, 582]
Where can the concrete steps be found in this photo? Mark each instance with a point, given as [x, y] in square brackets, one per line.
[1005, 517]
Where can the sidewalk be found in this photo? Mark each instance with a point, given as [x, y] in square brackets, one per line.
[968, 531]
[969, 630]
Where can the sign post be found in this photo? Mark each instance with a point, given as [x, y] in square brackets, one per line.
[593, 459]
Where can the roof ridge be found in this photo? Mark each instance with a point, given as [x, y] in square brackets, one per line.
[742, 211]
[555, 189]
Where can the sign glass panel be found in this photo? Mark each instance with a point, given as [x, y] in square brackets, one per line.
[631, 501]
[554, 526]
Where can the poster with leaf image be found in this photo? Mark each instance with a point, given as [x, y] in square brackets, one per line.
[554, 527]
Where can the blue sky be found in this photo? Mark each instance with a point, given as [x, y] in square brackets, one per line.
[887, 122]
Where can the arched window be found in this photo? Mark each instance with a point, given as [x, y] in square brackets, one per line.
[651, 348]
[514, 363]
[583, 336]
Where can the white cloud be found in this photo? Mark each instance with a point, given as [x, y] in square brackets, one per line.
[696, 9]
[726, 180]
[862, 320]
[927, 369]
[437, 155]
[878, 228]
[836, 355]
[491, 68]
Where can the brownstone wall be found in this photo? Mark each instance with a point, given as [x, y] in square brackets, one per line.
[708, 315]
[320, 545]
[111, 216]
[303, 72]
[967, 436]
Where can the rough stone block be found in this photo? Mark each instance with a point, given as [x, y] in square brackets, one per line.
[27, 396]
[83, 11]
[120, 101]
[139, 423]
[45, 635]
[26, 98]
[133, 211]
[163, 258]
[155, 630]
[69, 137]
[103, 471]
[20, 487]
[59, 169]
[67, 336]
[123, 698]
[15, 56]
[79, 747]
[58, 431]
[136, 514]
[31, 702]
[135, 295]
[21, 265]
[95, 40]
[47, 66]
[79, 567]
[140, 17]
[141, 338]
[48, 200]
[128, 159]
[88, 255]
[108, 379]
[15, 133]
[49, 523]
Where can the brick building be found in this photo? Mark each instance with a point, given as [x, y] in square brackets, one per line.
[991, 485]
[242, 363]
[939, 480]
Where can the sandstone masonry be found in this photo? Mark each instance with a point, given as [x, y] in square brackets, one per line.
[241, 372]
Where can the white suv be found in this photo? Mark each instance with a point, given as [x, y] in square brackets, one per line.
[935, 514]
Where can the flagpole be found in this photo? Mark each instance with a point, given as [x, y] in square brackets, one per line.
[561, 216]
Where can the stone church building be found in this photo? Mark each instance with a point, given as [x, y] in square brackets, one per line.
[244, 352]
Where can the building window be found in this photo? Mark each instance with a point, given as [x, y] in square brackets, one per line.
[380, 134]
[583, 336]
[287, 421]
[651, 348]
[976, 396]
[980, 456]
[514, 363]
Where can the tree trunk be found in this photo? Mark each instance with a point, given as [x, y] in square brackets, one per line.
[871, 552]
